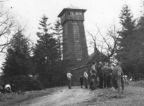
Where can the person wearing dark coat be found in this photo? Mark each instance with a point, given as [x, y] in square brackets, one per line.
[81, 81]
[118, 82]
[107, 71]
[100, 75]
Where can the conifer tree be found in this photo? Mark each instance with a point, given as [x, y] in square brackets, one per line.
[125, 40]
[136, 54]
[125, 35]
[58, 32]
[46, 52]
[17, 57]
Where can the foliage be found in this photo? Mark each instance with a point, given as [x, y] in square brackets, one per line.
[46, 55]
[25, 83]
[125, 39]
[7, 26]
[58, 34]
[18, 55]
[17, 67]
[105, 48]
[46, 47]
[136, 55]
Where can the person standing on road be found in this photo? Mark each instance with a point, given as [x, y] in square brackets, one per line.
[101, 75]
[117, 78]
[81, 81]
[69, 77]
[86, 79]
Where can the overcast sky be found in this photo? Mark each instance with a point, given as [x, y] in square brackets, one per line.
[102, 13]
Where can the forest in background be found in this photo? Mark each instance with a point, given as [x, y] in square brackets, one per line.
[36, 66]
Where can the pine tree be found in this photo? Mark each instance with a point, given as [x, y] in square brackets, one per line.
[125, 35]
[17, 57]
[46, 52]
[58, 32]
[136, 54]
[125, 40]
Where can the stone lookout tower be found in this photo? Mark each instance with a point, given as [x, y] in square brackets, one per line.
[74, 40]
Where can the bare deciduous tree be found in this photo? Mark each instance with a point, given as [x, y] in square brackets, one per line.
[112, 43]
[109, 43]
[6, 27]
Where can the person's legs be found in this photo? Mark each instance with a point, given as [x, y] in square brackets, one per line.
[105, 82]
[91, 83]
[69, 83]
[119, 87]
[109, 81]
[86, 83]
[100, 81]
[114, 83]
[122, 83]
[81, 84]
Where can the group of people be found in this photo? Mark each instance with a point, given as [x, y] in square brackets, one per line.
[102, 75]
[110, 75]
[84, 80]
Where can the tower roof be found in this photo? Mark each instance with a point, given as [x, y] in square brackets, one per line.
[71, 8]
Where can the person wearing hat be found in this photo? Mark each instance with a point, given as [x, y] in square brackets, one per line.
[118, 81]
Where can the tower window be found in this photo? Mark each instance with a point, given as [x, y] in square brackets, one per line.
[69, 13]
[72, 13]
[78, 13]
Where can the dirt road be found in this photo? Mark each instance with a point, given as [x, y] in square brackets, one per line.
[133, 96]
[62, 97]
